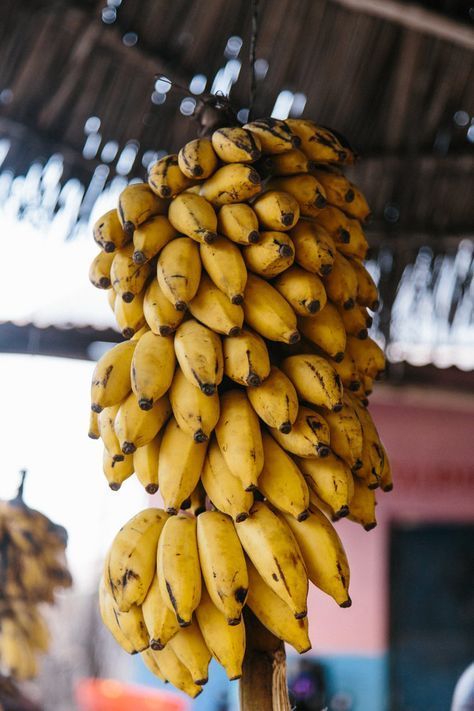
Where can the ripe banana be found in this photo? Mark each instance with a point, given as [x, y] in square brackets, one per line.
[367, 293]
[166, 179]
[331, 480]
[321, 144]
[372, 449]
[223, 564]
[304, 291]
[225, 265]
[111, 377]
[190, 648]
[212, 307]
[179, 271]
[194, 217]
[129, 315]
[315, 250]
[239, 223]
[199, 354]
[246, 359]
[346, 435]
[108, 232]
[198, 499]
[128, 628]
[369, 357]
[179, 467]
[273, 254]
[356, 321]
[131, 560]
[339, 190]
[99, 270]
[235, 182]
[224, 489]
[128, 278]
[275, 401]
[107, 432]
[289, 163]
[358, 208]
[93, 432]
[281, 482]
[267, 312]
[315, 380]
[152, 368]
[195, 413]
[160, 314]
[277, 210]
[136, 204]
[136, 427]
[197, 159]
[116, 472]
[161, 623]
[326, 330]
[239, 438]
[341, 283]
[386, 480]
[273, 550]
[362, 506]
[357, 246]
[179, 572]
[145, 464]
[151, 237]
[309, 436]
[336, 224]
[275, 136]
[149, 660]
[306, 190]
[236, 145]
[176, 672]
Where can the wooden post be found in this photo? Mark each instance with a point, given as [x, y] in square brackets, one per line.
[263, 684]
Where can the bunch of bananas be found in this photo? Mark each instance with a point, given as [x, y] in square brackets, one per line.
[236, 275]
[33, 567]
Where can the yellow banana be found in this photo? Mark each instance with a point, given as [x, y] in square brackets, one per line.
[347, 371]
[179, 467]
[136, 427]
[362, 505]
[275, 136]
[246, 359]
[179, 572]
[116, 471]
[367, 293]
[222, 563]
[357, 246]
[239, 438]
[277, 210]
[276, 614]
[271, 547]
[372, 449]
[323, 554]
[331, 480]
[199, 354]
[326, 330]
[145, 464]
[267, 312]
[336, 224]
[321, 144]
[160, 314]
[197, 159]
[338, 188]
[369, 357]
[386, 480]
[128, 628]
[314, 248]
[151, 237]
[346, 435]
[176, 673]
[152, 368]
[99, 270]
[160, 622]
[225, 642]
[273, 254]
[212, 307]
[356, 321]
[128, 278]
[236, 145]
[315, 380]
[136, 204]
[239, 223]
[304, 291]
[341, 283]
[275, 401]
[107, 432]
[131, 560]
[224, 263]
[111, 377]
[194, 217]
[235, 182]
[94, 432]
[129, 315]
[309, 436]
[358, 207]
[195, 413]
[166, 179]
[306, 190]
[179, 271]
[111, 298]
[108, 232]
[190, 648]
[150, 661]
[281, 482]
[289, 163]
[224, 489]
[198, 498]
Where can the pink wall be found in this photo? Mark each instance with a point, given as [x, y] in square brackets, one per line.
[430, 441]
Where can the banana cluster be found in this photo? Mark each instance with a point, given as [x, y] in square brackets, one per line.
[236, 275]
[33, 567]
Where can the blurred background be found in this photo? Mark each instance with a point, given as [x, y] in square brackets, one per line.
[82, 112]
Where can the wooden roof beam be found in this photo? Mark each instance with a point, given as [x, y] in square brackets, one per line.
[415, 18]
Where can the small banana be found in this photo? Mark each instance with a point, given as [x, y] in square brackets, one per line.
[197, 499]
[111, 377]
[339, 190]
[346, 435]
[194, 217]
[321, 144]
[315, 250]
[273, 254]
[323, 554]
[224, 264]
[362, 506]
[136, 204]
[386, 479]
[331, 480]
[128, 628]
[307, 191]
[93, 432]
[234, 182]
[367, 293]
[357, 246]
[373, 452]
[166, 179]
[369, 357]
[315, 380]
[212, 307]
[145, 464]
[197, 159]
[151, 237]
[239, 223]
[341, 283]
[281, 482]
[195, 413]
[149, 660]
[108, 232]
[267, 312]
[326, 330]
[271, 547]
[358, 208]
[236, 145]
[347, 371]
[160, 622]
[275, 135]
[304, 291]
[131, 560]
[107, 433]
[222, 563]
[116, 471]
[190, 648]
[179, 271]
[99, 270]
[309, 436]
[336, 224]
[160, 314]
[277, 210]
[223, 488]
[128, 278]
[179, 572]
[152, 368]
[136, 427]
[246, 359]
[129, 315]
[290, 163]
[275, 401]
[199, 354]
[176, 672]
[356, 321]
[276, 614]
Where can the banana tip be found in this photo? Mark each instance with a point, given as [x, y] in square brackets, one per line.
[326, 269]
[157, 646]
[349, 196]
[346, 603]
[241, 517]
[322, 450]
[349, 304]
[303, 516]
[354, 385]
[285, 427]
[201, 682]
[208, 389]
[128, 228]
[234, 331]
[171, 511]
[254, 237]
[337, 407]
[238, 299]
[363, 333]
[342, 513]
[295, 141]
[138, 257]
[128, 297]
[145, 403]
[301, 615]
[387, 488]
[180, 305]
[200, 436]
[314, 306]
[109, 247]
[339, 356]
[96, 408]
[104, 282]
[209, 237]
[253, 380]
[294, 337]
[128, 448]
[370, 526]
[114, 486]
[285, 250]
[151, 488]
[165, 330]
